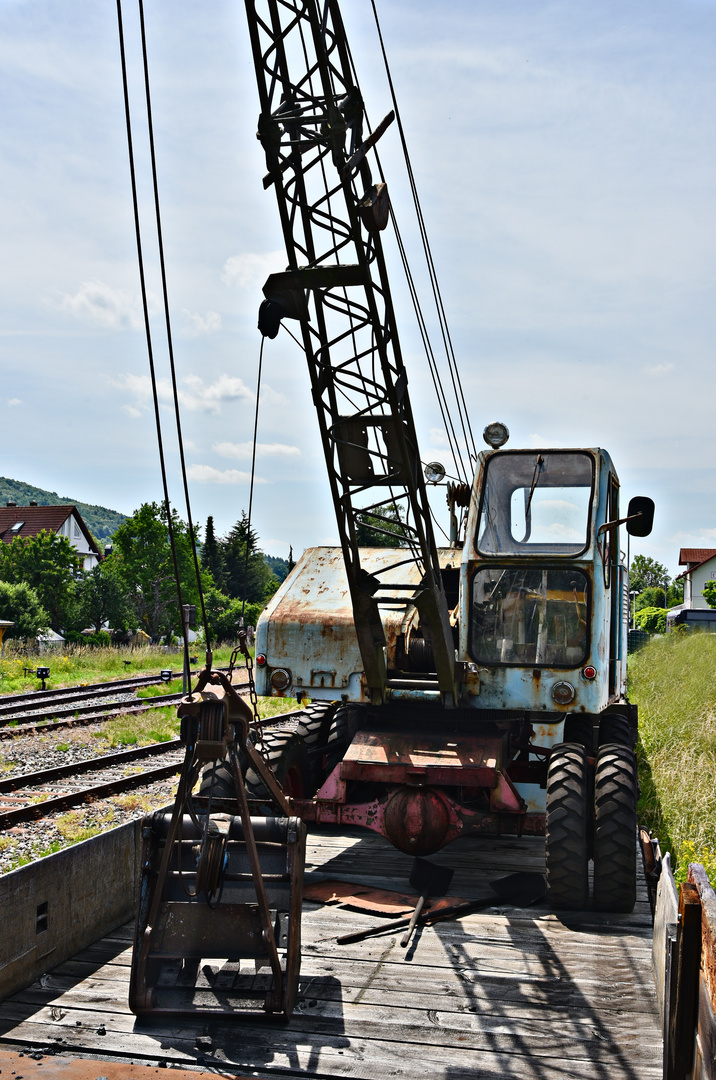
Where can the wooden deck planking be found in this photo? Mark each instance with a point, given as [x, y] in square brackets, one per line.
[509, 993]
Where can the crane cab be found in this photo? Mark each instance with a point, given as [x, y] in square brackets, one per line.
[544, 592]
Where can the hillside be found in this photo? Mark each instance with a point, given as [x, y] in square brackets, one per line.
[100, 520]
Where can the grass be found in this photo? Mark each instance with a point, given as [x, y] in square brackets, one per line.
[673, 681]
[140, 729]
[75, 665]
[160, 725]
[160, 689]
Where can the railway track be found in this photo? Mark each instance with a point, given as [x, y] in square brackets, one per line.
[64, 800]
[75, 706]
[25, 787]
[47, 699]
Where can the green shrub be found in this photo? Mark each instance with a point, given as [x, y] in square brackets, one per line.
[20, 604]
[651, 619]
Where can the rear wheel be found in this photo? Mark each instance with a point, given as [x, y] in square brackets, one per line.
[615, 793]
[567, 826]
[314, 727]
[287, 756]
[217, 781]
[342, 729]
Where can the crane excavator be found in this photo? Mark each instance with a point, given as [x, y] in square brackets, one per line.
[477, 688]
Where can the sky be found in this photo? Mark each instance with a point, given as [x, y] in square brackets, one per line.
[565, 156]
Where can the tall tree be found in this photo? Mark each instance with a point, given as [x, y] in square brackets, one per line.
[646, 573]
[385, 530]
[49, 564]
[248, 578]
[211, 556]
[144, 564]
[102, 598]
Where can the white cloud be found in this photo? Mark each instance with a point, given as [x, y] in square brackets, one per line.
[194, 394]
[657, 369]
[539, 441]
[202, 397]
[700, 538]
[243, 450]
[13, 401]
[207, 474]
[195, 325]
[251, 269]
[99, 303]
[131, 411]
[438, 438]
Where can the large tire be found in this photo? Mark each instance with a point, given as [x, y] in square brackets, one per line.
[314, 727]
[219, 774]
[344, 725]
[615, 794]
[579, 728]
[568, 827]
[287, 756]
[614, 727]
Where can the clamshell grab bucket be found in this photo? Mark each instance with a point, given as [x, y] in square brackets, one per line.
[218, 925]
[211, 956]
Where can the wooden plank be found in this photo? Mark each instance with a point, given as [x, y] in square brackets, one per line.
[501, 993]
[242, 1046]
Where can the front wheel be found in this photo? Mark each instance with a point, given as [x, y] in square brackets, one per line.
[567, 826]
[615, 793]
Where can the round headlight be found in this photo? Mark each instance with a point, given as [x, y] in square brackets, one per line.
[563, 693]
[280, 678]
[496, 435]
[434, 472]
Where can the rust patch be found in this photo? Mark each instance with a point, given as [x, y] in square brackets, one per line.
[59, 1067]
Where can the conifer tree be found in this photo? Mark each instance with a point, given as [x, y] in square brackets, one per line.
[211, 556]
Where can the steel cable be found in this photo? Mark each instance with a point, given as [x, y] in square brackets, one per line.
[147, 326]
[170, 344]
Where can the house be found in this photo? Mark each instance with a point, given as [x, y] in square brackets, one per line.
[695, 613]
[64, 520]
[700, 566]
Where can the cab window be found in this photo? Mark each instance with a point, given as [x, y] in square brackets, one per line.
[536, 503]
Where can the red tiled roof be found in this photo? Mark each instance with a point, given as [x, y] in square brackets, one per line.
[695, 556]
[36, 518]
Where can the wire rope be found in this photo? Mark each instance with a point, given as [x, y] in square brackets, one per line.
[170, 343]
[442, 318]
[440, 395]
[253, 473]
[147, 326]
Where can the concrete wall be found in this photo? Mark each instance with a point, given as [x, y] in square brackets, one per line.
[54, 908]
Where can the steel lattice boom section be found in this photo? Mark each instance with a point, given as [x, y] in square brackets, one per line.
[311, 129]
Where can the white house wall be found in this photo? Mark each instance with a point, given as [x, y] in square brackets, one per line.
[72, 530]
[699, 577]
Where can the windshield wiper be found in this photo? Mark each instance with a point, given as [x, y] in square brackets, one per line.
[539, 465]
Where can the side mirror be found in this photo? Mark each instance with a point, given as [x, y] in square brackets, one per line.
[640, 516]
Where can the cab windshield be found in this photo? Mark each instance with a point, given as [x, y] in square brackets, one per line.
[528, 616]
[536, 503]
